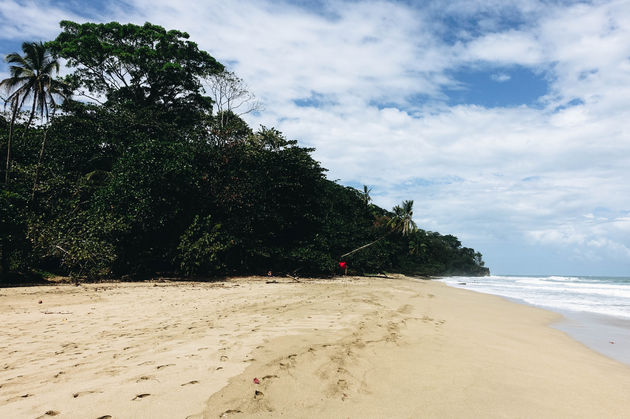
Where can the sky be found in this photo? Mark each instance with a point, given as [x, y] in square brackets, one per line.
[507, 122]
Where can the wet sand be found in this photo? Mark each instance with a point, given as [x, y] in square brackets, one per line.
[607, 335]
[352, 347]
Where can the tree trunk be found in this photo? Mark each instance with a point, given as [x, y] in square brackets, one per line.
[4, 258]
[30, 119]
[13, 118]
[39, 162]
[366, 245]
[8, 164]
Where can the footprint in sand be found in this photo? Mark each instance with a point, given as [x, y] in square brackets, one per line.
[342, 384]
[141, 396]
[159, 367]
[190, 382]
[104, 417]
[290, 363]
[49, 413]
[406, 309]
[258, 395]
[229, 412]
[83, 393]
[223, 358]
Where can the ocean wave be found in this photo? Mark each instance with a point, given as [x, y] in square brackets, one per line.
[606, 296]
[563, 278]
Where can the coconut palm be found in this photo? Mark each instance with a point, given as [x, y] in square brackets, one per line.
[402, 222]
[32, 78]
[366, 195]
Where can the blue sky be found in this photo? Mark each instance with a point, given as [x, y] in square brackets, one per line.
[505, 121]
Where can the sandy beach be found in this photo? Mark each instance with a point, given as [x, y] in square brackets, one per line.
[349, 347]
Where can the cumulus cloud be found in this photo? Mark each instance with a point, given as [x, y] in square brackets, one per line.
[505, 48]
[597, 241]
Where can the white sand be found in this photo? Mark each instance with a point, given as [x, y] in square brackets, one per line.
[353, 347]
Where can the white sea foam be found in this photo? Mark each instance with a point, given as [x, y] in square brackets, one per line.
[599, 295]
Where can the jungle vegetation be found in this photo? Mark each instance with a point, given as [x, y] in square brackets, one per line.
[139, 163]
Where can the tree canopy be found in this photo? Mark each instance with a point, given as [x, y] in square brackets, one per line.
[142, 65]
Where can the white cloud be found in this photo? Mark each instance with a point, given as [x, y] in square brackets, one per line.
[32, 20]
[505, 48]
[584, 241]
[500, 77]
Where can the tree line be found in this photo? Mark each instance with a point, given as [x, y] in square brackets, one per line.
[139, 163]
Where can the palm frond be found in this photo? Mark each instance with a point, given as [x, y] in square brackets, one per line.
[15, 58]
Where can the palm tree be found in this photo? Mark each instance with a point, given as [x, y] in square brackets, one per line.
[403, 218]
[401, 222]
[31, 78]
[366, 195]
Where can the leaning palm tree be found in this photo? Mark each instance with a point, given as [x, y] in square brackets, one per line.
[401, 222]
[32, 78]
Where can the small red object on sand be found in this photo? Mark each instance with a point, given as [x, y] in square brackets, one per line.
[256, 380]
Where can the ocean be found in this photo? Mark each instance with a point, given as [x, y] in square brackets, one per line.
[596, 310]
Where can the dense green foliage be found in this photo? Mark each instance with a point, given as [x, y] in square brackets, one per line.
[145, 178]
